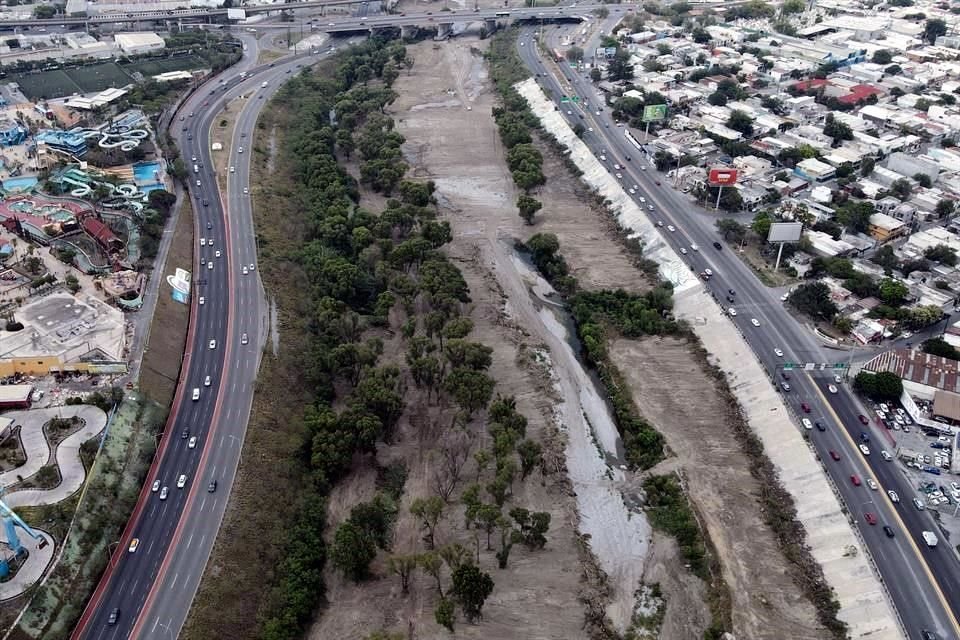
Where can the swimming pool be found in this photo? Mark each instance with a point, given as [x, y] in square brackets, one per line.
[147, 188]
[23, 183]
[146, 172]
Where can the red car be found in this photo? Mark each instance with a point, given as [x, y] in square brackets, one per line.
[855, 479]
[834, 454]
[863, 419]
[870, 518]
[658, 182]
[805, 407]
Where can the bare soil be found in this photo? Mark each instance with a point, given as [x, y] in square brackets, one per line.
[682, 400]
[168, 330]
[537, 596]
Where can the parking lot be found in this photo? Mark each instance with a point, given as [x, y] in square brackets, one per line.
[924, 456]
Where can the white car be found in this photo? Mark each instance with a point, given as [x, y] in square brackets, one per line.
[245, 190]
[245, 272]
[196, 394]
[650, 207]
[886, 455]
[216, 253]
[233, 170]
[832, 389]
[133, 545]
[251, 267]
[198, 183]
[632, 191]
[732, 311]
[209, 242]
[864, 449]
[695, 247]
[243, 339]
[210, 265]
[893, 496]
[754, 322]
[709, 272]
[671, 228]
[784, 297]
[202, 300]
[806, 423]
[155, 487]
[203, 242]
[683, 250]
[163, 493]
[619, 176]
[659, 223]
[872, 484]
[181, 481]
[778, 352]
[642, 199]
[240, 150]
[206, 381]
[213, 344]
[192, 442]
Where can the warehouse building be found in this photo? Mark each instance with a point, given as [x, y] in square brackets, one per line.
[136, 43]
[15, 396]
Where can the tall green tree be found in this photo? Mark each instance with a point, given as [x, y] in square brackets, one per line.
[472, 587]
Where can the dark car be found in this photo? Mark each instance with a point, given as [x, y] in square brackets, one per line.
[717, 245]
[805, 407]
[212, 486]
[864, 436]
[784, 375]
[870, 518]
[730, 299]
[889, 531]
[112, 620]
[834, 455]
[820, 426]
[928, 635]
[189, 136]
[206, 203]
[185, 434]
[855, 479]
[863, 419]
[209, 225]
[731, 292]
[628, 158]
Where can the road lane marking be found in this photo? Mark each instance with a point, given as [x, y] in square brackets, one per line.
[175, 578]
[189, 541]
[903, 526]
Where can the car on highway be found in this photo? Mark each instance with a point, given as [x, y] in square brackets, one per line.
[820, 426]
[202, 300]
[244, 339]
[732, 311]
[192, 443]
[832, 389]
[806, 423]
[671, 228]
[155, 487]
[717, 245]
[659, 223]
[709, 272]
[240, 150]
[233, 170]
[785, 386]
[198, 183]
[203, 242]
[181, 481]
[133, 545]
[778, 352]
[888, 531]
[252, 268]
[805, 407]
[206, 203]
[245, 272]
[863, 419]
[872, 484]
[918, 503]
[864, 449]
[886, 456]
[206, 381]
[657, 182]
[216, 253]
[754, 322]
[784, 297]
[209, 225]
[245, 190]
[163, 493]
[114, 616]
[683, 250]
[196, 394]
[834, 455]
[631, 191]
[695, 247]
[855, 479]
[870, 518]
[212, 486]
[213, 344]
[210, 265]
[650, 207]
[893, 496]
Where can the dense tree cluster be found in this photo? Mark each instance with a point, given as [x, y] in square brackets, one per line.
[879, 386]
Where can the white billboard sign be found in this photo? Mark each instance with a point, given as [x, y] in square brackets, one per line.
[785, 232]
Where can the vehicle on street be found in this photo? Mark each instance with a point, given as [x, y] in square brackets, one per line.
[683, 250]
[885, 455]
[785, 386]
[805, 407]
[115, 614]
[155, 487]
[213, 344]
[210, 266]
[888, 531]
[245, 271]
[778, 352]
[872, 484]
[659, 223]
[864, 449]
[709, 272]
[930, 538]
[820, 426]
[695, 247]
[855, 479]
[671, 228]
[918, 503]
[246, 191]
[133, 545]
[784, 297]
[832, 389]
[870, 518]
[893, 496]
[206, 381]
[243, 339]
[163, 493]
[216, 253]
[863, 419]
[196, 394]
[202, 300]
[717, 245]
[233, 170]
[754, 322]
[192, 443]
[834, 455]
[181, 481]
[806, 423]
[212, 486]
[732, 311]
[185, 434]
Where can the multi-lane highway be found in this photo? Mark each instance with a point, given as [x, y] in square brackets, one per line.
[924, 584]
[148, 591]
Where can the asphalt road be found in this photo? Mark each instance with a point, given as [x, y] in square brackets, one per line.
[923, 583]
[153, 587]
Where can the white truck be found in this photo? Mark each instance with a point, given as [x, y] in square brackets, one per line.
[196, 169]
[930, 538]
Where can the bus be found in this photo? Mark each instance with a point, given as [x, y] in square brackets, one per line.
[558, 55]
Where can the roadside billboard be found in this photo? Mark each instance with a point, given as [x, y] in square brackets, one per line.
[722, 177]
[785, 232]
[653, 112]
[180, 283]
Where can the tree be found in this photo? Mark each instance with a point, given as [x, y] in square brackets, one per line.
[619, 67]
[901, 188]
[923, 316]
[471, 586]
[717, 99]
[574, 54]
[740, 121]
[403, 566]
[837, 130]
[866, 166]
[940, 347]
[814, 300]
[530, 455]
[879, 386]
[432, 565]
[528, 206]
[595, 74]
[701, 36]
[941, 253]
[935, 28]
[352, 551]
[444, 614]
[428, 511]
[506, 541]
[923, 180]
[72, 283]
[855, 214]
[731, 229]
[471, 389]
[885, 257]
[533, 526]
[792, 6]
[945, 208]
[44, 11]
[486, 518]
[454, 451]
[882, 56]
[893, 292]
[761, 224]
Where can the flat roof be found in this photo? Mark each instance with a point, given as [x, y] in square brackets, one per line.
[15, 392]
[946, 404]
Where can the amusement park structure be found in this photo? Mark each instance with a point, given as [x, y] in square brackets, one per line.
[12, 522]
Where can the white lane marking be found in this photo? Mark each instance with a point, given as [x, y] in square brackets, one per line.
[174, 583]
[190, 541]
[203, 504]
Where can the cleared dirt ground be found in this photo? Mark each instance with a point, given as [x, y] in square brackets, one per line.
[673, 391]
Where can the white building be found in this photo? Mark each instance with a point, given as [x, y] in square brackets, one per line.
[143, 42]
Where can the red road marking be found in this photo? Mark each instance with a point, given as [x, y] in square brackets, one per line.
[178, 532]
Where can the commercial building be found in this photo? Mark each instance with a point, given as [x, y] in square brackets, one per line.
[142, 42]
[65, 141]
[815, 171]
[15, 396]
[11, 132]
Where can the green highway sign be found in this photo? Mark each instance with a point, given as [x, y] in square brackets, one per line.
[788, 366]
[654, 112]
[569, 99]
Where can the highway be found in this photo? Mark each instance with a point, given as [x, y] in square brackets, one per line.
[924, 584]
[153, 587]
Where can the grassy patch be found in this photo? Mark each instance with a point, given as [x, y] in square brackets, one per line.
[101, 509]
[168, 331]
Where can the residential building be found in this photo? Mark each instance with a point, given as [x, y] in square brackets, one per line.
[884, 228]
[814, 170]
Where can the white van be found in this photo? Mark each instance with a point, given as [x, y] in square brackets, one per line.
[196, 393]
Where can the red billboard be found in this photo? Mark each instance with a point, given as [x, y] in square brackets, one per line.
[722, 177]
